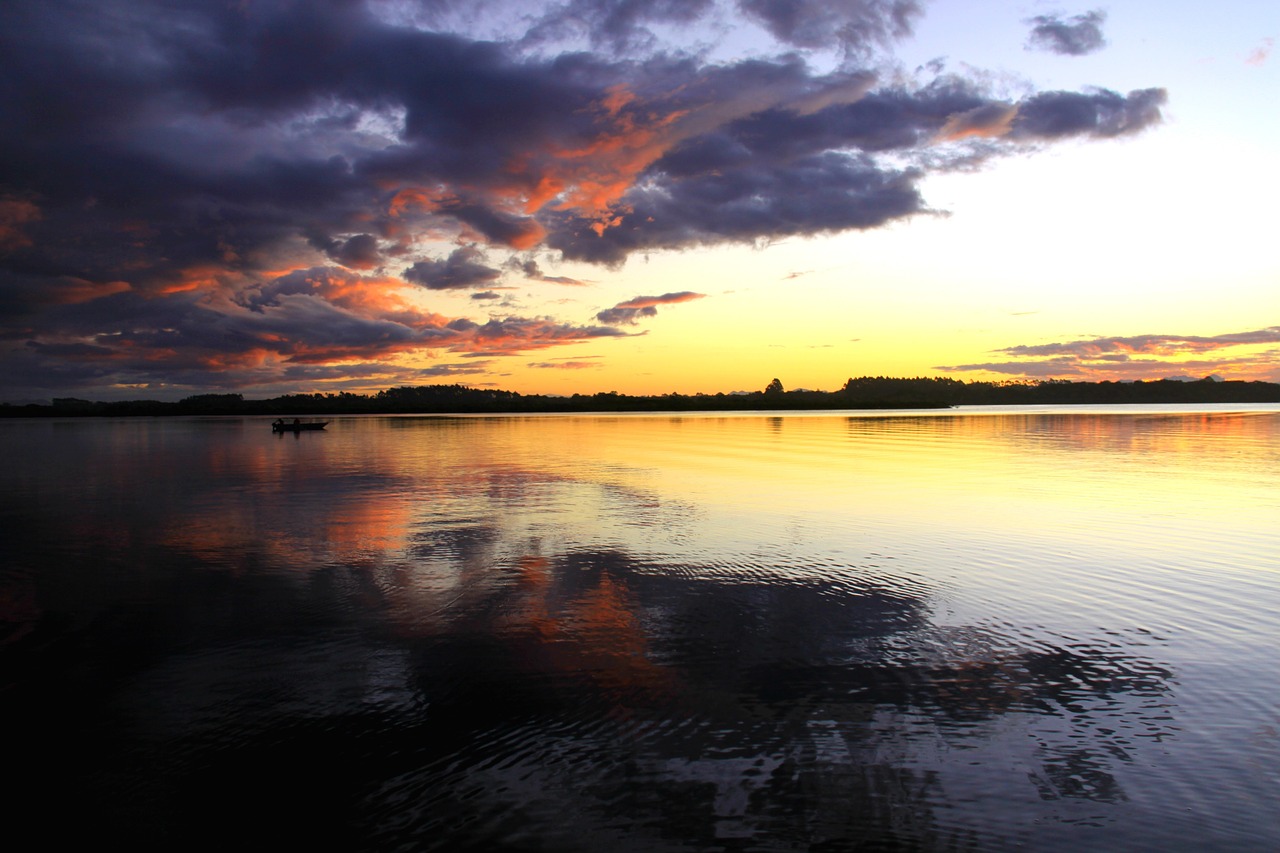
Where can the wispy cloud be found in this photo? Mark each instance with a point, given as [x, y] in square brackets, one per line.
[533, 271]
[436, 371]
[564, 364]
[1164, 345]
[629, 312]
[1252, 356]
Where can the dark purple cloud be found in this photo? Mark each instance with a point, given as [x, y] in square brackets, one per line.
[621, 25]
[857, 26]
[778, 173]
[1074, 36]
[232, 130]
[359, 252]
[531, 270]
[463, 269]
[172, 174]
[822, 193]
[1100, 113]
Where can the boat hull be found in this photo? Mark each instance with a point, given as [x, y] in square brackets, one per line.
[298, 427]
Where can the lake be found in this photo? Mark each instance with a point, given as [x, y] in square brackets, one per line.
[983, 628]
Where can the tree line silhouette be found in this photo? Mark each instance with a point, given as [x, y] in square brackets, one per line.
[867, 392]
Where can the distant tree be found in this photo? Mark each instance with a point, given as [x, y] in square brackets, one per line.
[211, 404]
[774, 387]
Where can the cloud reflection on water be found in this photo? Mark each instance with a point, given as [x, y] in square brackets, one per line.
[485, 639]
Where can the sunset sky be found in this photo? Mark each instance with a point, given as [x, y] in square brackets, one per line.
[647, 196]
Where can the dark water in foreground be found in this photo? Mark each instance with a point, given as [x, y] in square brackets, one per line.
[984, 629]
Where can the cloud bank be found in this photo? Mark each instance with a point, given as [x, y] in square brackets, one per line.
[200, 194]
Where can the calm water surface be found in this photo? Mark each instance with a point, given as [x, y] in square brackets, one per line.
[981, 629]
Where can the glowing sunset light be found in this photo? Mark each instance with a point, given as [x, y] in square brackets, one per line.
[698, 197]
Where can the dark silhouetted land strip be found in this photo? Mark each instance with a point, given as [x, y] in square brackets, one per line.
[864, 393]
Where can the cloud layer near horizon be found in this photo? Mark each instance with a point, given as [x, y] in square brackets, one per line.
[210, 194]
[1139, 357]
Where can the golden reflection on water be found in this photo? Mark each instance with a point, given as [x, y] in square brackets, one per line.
[1050, 515]
[372, 488]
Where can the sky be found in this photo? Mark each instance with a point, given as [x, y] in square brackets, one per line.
[645, 196]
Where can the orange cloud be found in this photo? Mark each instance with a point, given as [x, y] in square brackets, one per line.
[664, 299]
[592, 177]
[408, 199]
[616, 97]
[631, 134]
[228, 360]
[987, 121]
[72, 291]
[193, 278]
[368, 296]
[546, 188]
[530, 236]
[215, 282]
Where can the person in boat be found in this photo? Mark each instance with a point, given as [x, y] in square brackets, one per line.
[297, 422]
[279, 422]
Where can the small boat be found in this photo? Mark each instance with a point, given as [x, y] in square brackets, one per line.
[297, 426]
